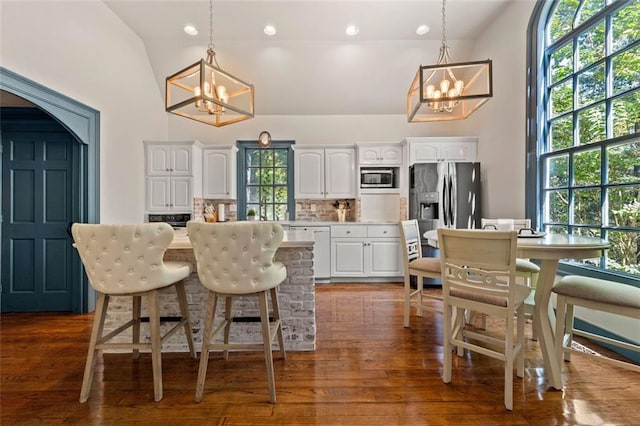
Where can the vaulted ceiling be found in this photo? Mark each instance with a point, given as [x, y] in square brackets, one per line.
[311, 67]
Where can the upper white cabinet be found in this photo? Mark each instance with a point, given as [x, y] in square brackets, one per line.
[324, 173]
[380, 154]
[173, 175]
[219, 172]
[430, 150]
[167, 159]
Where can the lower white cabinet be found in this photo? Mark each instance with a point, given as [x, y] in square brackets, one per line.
[321, 249]
[363, 251]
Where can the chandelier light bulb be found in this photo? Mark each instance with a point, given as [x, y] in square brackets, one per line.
[444, 85]
[437, 94]
[430, 90]
[459, 86]
[221, 91]
[452, 93]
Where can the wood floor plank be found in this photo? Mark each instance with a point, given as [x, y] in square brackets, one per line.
[367, 370]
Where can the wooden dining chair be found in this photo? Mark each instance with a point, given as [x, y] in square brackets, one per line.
[479, 274]
[525, 269]
[127, 260]
[237, 259]
[419, 267]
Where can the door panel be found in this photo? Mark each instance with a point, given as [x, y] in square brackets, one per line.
[37, 208]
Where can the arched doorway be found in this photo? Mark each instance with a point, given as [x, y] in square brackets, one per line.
[82, 124]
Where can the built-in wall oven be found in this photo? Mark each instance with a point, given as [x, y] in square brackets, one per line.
[377, 177]
[175, 220]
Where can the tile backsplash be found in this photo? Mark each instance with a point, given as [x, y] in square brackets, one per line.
[230, 208]
[323, 210]
[308, 210]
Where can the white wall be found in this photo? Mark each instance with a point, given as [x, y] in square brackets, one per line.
[312, 129]
[81, 49]
[500, 123]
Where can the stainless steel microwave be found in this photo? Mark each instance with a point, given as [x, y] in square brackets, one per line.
[377, 178]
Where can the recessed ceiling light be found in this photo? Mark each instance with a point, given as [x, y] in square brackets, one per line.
[191, 30]
[422, 30]
[270, 30]
[352, 30]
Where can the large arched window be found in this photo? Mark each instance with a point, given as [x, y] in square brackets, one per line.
[584, 125]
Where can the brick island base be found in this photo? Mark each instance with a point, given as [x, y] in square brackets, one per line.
[296, 295]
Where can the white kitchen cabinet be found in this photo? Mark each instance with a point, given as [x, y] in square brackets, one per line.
[324, 173]
[386, 257]
[380, 154]
[173, 175]
[219, 173]
[321, 249]
[169, 159]
[347, 258]
[430, 150]
[362, 251]
[169, 194]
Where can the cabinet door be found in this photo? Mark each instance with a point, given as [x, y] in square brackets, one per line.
[181, 160]
[391, 155]
[158, 194]
[340, 173]
[309, 173]
[158, 160]
[347, 258]
[458, 152]
[424, 153]
[181, 194]
[386, 258]
[218, 174]
[368, 155]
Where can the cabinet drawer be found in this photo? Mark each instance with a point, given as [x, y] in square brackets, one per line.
[381, 231]
[348, 231]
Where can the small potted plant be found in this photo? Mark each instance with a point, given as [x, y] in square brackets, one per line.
[251, 214]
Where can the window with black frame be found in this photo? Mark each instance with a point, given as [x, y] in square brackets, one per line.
[265, 181]
[589, 144]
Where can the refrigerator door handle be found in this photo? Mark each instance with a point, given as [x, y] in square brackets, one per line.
[444, 202]
[452, 209]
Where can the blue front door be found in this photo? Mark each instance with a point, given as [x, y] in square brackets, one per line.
[37, 207]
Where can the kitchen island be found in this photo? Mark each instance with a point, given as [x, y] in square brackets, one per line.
[296, 295]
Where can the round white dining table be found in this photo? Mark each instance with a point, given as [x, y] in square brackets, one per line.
[549, 250]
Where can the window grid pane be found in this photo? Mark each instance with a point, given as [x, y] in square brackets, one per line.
[603, 104]
[266, 188]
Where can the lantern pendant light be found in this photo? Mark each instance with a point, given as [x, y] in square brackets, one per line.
[448, 90]
[206, 93]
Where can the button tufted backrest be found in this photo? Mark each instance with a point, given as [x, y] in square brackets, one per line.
[237, 258]
[123, 259]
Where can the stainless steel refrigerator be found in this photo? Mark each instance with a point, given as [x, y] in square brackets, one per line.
[445, 194]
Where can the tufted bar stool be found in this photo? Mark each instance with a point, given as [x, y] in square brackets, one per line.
[127, 260]
[236, 259]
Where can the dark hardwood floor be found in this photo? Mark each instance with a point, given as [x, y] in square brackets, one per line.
[367, 369]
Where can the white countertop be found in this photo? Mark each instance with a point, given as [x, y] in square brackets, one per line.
[328, 223]
[291, 239]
